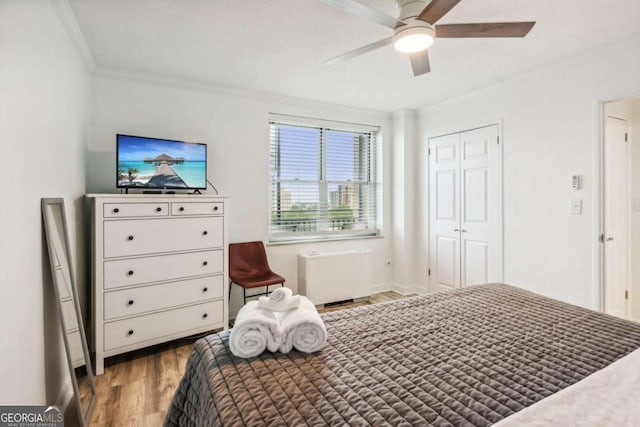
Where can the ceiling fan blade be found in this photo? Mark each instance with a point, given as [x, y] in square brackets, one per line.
[355, 8]
[361, 50]
[420, 63]
[492, 29]
[436, 10]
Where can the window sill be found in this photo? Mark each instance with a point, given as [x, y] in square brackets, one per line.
[322, 240]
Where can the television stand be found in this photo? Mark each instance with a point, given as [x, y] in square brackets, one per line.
[196, 191]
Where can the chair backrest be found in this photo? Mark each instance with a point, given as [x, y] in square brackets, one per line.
[247, 259]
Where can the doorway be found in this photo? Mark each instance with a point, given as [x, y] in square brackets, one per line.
[621, 209]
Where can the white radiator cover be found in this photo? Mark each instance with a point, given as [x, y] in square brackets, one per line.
[326, 277]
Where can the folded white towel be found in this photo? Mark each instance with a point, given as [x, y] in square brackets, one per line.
[255, 330]
[302, 328]
[279, 300]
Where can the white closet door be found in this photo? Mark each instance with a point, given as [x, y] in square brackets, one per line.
[480, 219]
[465, 209]
[616, 216]
[444, 224]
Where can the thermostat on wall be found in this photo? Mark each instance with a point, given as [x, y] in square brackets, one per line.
[575, 182]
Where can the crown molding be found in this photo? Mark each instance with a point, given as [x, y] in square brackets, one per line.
[70, 24]
[203, 86]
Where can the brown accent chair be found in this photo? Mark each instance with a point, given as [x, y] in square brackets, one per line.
[249, 268]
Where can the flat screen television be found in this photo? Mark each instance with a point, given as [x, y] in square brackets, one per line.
[152, 163]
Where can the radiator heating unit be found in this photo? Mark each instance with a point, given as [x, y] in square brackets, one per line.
[329, 277]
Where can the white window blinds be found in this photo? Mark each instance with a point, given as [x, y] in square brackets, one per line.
[324, 180]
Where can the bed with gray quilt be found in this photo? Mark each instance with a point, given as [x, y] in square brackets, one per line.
[466, 357]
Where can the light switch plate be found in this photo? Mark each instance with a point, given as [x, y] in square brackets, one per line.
[576, 207]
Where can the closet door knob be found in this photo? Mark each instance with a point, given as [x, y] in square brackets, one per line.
[116, 210]
[130, 237]
[456, 229]
[463, 230]
[130, 332]
[130, 302]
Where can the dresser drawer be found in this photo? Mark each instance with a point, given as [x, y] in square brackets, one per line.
[133, 301]
[135, 330]
[141, 237]
[136, 271]
[129, 210]
[197, 208]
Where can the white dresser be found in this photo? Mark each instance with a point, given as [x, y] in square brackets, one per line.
[159, 268]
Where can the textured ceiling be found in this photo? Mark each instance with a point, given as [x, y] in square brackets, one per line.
[278, 46]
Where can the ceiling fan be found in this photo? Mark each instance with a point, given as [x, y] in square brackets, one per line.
[414, 30]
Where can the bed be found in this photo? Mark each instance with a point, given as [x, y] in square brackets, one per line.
[472, 356]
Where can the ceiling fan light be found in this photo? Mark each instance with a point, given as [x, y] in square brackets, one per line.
[413, 43]
[414, 37]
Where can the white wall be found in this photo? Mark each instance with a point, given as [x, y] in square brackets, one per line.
[234, 126]
[550, 121]
[407, 266]
[44, 115]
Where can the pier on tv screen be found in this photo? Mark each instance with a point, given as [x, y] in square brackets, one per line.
[160, 163]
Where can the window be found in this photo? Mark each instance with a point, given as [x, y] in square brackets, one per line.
[324, 179]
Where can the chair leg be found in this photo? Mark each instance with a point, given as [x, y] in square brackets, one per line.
[244, 294]
[230, 283]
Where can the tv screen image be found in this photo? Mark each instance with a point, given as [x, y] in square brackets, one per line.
[160, 163]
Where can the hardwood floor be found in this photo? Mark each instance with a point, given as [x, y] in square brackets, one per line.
[136, 388]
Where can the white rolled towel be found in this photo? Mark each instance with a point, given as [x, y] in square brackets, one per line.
[302, 328]
[279, 300]
[254, 331]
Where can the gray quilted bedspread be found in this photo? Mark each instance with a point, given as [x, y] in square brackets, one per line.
[466, 357]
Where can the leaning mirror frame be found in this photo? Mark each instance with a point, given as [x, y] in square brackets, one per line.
[52, 232]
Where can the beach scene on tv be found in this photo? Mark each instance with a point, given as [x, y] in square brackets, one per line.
[159, 163]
